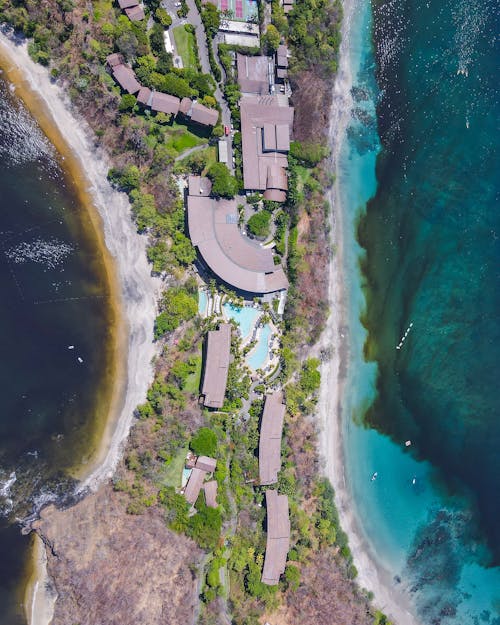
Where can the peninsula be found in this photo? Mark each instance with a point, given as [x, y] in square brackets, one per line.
[211, 504]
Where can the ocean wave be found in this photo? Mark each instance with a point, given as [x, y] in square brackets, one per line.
[47, 252]
[22, 140]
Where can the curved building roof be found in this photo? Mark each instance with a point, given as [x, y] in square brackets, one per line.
[213, 228]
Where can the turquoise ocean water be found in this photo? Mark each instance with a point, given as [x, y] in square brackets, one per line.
[418, 179]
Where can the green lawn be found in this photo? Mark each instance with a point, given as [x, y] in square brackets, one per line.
[185, 43]
[172, 472]
[192, 384]
[181, 139]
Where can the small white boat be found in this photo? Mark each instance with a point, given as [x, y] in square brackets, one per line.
[374, 476]
[80, 360]
[414, 481]
[71, 347]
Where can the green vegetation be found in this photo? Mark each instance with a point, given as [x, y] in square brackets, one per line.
[315, 34]
[271, 39]
[223, 183]
[310, 154]
[177, 305]
[258, 224]
[204, 442]
[185, 42]
[163, 17]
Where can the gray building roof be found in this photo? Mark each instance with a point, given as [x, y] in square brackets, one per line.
[144, 96]
[165, 103]
[254, 73]
[245, 265]
[199, 186]
[206, 464]
[203, 115]
[210, 489]
[125, 4]
[270, 439]
[135, 14]
[265, 133]
[216, 366]
[194, 485]
[125, 77]
[114, 59]
[278, 537]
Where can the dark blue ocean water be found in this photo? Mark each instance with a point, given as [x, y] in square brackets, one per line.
[53, 296]
[431, 273]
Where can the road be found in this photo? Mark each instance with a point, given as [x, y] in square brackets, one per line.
[194, 18]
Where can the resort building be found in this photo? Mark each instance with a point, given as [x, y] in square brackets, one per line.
[266, 123]
[255, 74]
[231, 256]
[133, 9]
[278, 537]
[216, 366]
[210, 489]
[282, 63]
[164, 103]
[159, 102]
[125, 77]
[204, 466]
[270, 438]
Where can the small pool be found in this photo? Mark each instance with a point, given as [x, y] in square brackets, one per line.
[185, 476]
[202, 302]
[245, 317]
[260, 352]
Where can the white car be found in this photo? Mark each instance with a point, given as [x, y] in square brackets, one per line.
[177, 4]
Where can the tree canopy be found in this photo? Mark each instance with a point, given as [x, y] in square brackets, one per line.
[223, 183]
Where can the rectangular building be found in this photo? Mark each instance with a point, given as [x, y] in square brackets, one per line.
[216, 366]
[270, 439]
[278, 537]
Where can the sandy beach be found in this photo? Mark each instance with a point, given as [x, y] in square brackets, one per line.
[133, 290]
[371, 574]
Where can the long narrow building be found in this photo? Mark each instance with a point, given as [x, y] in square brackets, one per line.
[216, 366]
[278, 537]
[270, 438]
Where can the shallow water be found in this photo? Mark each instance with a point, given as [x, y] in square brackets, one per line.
[55, 336]
[430, 274]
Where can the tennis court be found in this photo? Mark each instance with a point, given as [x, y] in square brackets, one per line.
[240, 9]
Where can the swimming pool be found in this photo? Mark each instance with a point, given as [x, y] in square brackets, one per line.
[202, 302]
[260, 352]
[185, 476]
[245, 317]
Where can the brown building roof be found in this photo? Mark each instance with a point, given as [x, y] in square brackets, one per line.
[259, 115]
[136, 13]
[206, 464]
[210, 489]
[282, 56]
[144, 96]
[278, 537]
[125, 4]
[199, 186]
[165, 103]
[281, 74]
[203, 115]
[253, 74]
[213, 228]
[114, 59]
[194, 485]
[125, 77]
[185, 106]
[216, 366]
[270, 439]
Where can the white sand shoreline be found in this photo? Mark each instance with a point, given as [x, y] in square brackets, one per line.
[371, 573]
[138, 290]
